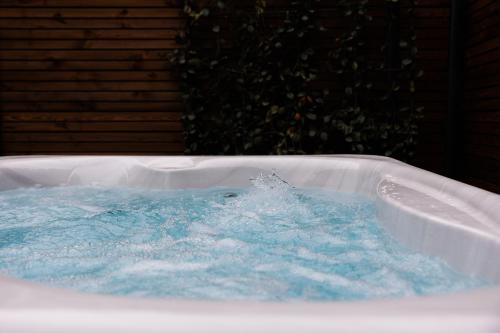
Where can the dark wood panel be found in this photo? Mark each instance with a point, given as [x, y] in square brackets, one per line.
[65, 13]
[482, 30]
[88, 34]
[86, 76]
[475, 139]
[90, 3]
[482, 104]
[482, 70]
[48, 96]
[83, 44]
[114, 23]
[57, 147]
[480, 127]
[58, 106]
[478, 58]
[478, 6]
[89, 86]
[114, 55]
[482, 159]
[93, 153]
[166, 3]
[70, 65]
[486, 93]
[92, 137]
[90, 116]
[482, 107]
[111, 126]
[478, 83]
[484, 116]
[483, 151]
[483, 47]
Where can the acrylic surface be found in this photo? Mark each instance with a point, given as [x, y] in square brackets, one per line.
[431, 216]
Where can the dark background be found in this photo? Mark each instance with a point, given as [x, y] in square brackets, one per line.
[91, 77]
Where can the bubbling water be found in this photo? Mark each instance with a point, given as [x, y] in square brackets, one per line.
[271, 241]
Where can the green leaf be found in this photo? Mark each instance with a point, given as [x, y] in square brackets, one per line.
[406, 62]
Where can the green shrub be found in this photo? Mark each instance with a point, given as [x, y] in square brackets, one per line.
[253, 81]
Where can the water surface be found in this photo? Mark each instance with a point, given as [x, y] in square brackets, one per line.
[268, 242]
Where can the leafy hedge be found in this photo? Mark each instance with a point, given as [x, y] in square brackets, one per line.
[253, 80]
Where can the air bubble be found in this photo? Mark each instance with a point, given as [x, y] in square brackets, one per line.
[271, 242]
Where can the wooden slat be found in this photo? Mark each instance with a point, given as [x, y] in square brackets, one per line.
[56, 147]
[480, 140]
[92, 137]
[90, 116]
[482, 107]
[87, 76]
[87, 34]
[114, 55]
[48, 96]
[93, 153]
[482, 128]
[484, 116]
[89, 86]
[488, 58]
[482, 70]
[58, 106]
[479, 6]
[90, 3]
[89, 44]
[91, 23]
[486, 93]
[69, 65]
[111, 126]
[483, 151]
[66, 13]
[486, 46]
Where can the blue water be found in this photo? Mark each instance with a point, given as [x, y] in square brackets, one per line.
[267, 242]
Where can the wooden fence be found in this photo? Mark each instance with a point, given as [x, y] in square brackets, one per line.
[90, 77]
[482, 95]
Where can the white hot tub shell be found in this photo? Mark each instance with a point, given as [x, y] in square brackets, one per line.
[426, 212]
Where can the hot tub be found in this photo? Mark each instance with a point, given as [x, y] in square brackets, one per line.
[426, 212]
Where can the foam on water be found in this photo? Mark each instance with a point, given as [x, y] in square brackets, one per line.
[267, 242]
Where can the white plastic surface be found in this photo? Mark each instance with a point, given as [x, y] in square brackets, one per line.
[427, 212]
